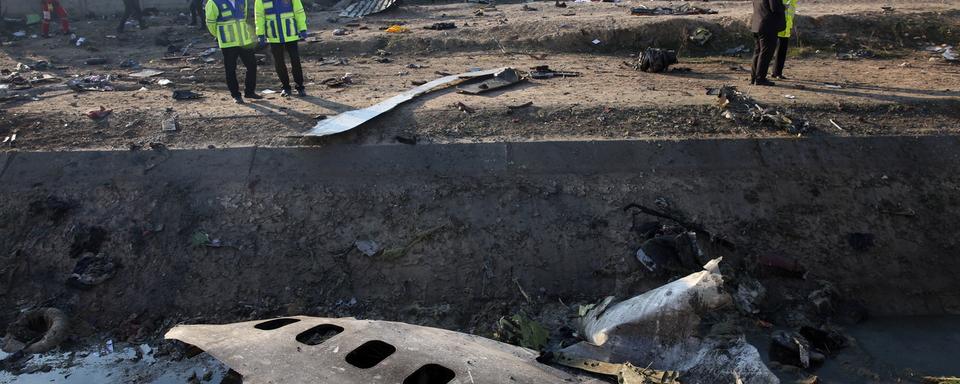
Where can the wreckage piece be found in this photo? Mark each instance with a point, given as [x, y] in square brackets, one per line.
[37, 331]
[675, 306]
[304, 349]
[352, 119]
[504, 78]
[544, 72]
[360, 8]
[661, 329]
[656, 60]
[626, 373]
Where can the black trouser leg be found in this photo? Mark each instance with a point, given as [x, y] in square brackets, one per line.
[127, 11]
[763, 54]
[293, 49]
[756, 57]
[280, 64]
[250, 62]
[230, 56]
[783, 43]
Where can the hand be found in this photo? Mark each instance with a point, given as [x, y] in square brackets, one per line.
[262, 42]
[303, 35]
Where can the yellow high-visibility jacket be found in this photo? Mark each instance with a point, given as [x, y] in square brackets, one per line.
[791, 6]
[228, 22]
[280, 20]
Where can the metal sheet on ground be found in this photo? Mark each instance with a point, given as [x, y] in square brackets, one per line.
[351, 119]
[362, 8]
[271, 354]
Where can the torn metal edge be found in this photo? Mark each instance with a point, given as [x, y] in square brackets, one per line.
[352, 119]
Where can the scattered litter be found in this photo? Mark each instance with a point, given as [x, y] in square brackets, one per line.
[504, 78]
[701, 36]
[184, 94]
[340, 32]
[20, 34]
[791, 97]
[854, 55]
[832, 86]
[268, 92]
[544, 72]
[683, 9]
[208, 52]
[416, 66]
[368, 247]
[130, 63]
[146, 73]
[169, 125]
[99, 114]
[351, 119]
[397, 29]
[91, 270]
[441, 26]
[946, 51]
[596, 41]
[560, 4]
[656, 60]
[464, 108]
[338, 82]
[834, 123]
[164, 82]
[81, 41]
[95, 61]
[91, 83]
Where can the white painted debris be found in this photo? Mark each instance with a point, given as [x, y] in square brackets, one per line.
[351, 119]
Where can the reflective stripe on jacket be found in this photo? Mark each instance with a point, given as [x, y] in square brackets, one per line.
[280, 20]
[228, 22]
[791, 6]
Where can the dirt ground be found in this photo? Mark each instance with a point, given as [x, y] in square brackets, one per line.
[902, 90]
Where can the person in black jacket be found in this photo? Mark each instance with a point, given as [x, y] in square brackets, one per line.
[769, 18]
[197, 11]
[131, 8]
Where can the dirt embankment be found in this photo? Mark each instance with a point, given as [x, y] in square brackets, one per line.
[466, 231]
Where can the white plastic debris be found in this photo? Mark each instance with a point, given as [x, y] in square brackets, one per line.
[596, 41]
[164, 82]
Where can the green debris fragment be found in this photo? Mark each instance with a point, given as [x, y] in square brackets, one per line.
[199, 238]
[521, 330]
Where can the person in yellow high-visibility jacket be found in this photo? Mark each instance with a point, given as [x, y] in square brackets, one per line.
[783, 39]
[283, 23]
[227, 21]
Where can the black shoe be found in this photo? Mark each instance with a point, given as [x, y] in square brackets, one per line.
[238, 100]
[285, 93]
[765, 83]
[253, 96]
[301, 91]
